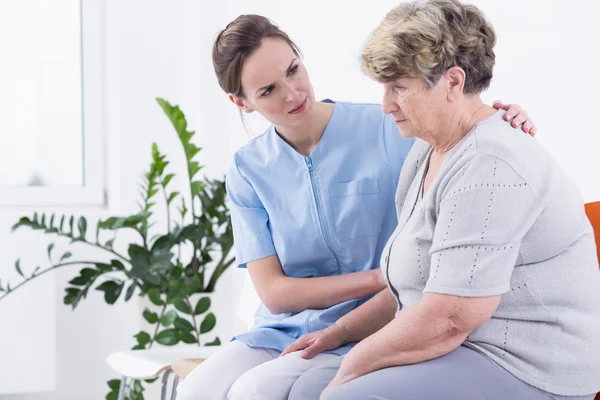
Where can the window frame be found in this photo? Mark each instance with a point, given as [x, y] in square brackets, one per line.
[93, 191]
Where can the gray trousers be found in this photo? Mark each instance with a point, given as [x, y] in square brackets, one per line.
[464, 374]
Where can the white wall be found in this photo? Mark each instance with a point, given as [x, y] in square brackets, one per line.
[546, 62]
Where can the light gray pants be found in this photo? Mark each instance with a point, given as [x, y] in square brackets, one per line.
[464, 374]
[238, 372]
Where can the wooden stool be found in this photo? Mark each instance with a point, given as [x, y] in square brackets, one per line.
[150, 364]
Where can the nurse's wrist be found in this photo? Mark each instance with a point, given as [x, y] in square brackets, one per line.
[341, 331]
[377, 279]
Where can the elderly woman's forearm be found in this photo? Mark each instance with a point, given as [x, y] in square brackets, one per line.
[412, 337]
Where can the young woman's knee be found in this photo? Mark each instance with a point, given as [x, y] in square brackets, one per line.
[251, 386]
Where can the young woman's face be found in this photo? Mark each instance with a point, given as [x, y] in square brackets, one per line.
[276, 84]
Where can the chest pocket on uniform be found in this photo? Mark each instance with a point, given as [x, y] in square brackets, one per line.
[358, 208]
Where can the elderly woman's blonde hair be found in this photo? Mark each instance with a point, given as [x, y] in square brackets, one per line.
[425, 38]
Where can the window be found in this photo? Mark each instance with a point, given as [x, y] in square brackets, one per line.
[51, 102]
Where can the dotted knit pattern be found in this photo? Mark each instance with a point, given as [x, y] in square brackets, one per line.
[502, 219]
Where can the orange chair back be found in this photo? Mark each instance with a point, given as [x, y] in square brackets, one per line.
[592, 211]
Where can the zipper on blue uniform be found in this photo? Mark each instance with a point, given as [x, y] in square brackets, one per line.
[311, 172]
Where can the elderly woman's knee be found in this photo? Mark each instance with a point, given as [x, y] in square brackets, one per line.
[306, 388]
[340, 393]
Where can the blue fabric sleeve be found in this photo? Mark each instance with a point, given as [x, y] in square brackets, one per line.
[396, 146]
[251, 229]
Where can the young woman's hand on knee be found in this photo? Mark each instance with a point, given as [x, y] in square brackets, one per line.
[317, 342]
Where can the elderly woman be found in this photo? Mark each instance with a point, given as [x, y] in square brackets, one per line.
[492, 270]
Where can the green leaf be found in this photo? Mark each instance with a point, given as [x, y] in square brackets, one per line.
[18, 268]
[24, 221]
[114, 384]
[43, 220]
[202, 306]
[143, 338]
[130, 291]
[51, 223]
[183, 210]
[216, 342]
[68, 254]
[182, 306]
[88, 272]
[118, 265]
[136, 396]
[187, 337]
[168, 337]
[82, 225]
[114, 223]
[109, 243]
[154, 296]
[62, 222]
[197, 188]
[172, 197]
[183, 324]
[193, 285]
[140, 260]
[208, 324]
[167, 179]
[35, 271]
[72, 296]
[168, 318]
[193, 232]
[50, 247]
[150, 316]
[176, 291]
[112, 290]
[163, 243]
[71, 220]
[137, 386]
[114, 395]
[194, 168]
[103, 267]
[80, 281]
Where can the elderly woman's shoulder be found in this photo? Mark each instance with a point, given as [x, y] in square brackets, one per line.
[497, 138]
[502, 153]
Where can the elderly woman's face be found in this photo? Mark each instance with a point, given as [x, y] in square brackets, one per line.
[417, 109]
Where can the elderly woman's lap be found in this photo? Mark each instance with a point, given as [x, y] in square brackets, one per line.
[464, 374]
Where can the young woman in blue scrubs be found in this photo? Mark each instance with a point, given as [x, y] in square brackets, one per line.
[312, 205]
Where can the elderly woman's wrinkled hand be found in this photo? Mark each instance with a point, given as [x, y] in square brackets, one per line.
[517, 117]
[317, 342]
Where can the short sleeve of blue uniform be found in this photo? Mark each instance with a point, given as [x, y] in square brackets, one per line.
[251, 228]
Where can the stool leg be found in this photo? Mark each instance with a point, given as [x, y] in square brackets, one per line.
[122, 388]
[165, 381]
[174, 389]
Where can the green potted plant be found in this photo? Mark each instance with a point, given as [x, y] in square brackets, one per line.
[172, 269]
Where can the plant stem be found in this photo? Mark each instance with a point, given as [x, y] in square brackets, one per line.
[44, 271]
[168, 209]
[219, 269]
[96, 245]
[157, 326]
[187, 300]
